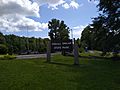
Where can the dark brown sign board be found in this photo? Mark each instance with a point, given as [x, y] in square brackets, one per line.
[58, 45]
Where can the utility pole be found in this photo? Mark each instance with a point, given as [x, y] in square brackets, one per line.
[27, 41]
[72, 34]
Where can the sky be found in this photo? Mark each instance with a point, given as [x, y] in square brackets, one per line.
[30, 17]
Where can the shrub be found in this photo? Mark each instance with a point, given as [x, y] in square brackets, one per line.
[81, 50]
[7, 57]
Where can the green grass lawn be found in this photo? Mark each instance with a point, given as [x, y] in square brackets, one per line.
[60, 74]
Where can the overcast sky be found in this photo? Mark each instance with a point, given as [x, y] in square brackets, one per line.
[18, 16]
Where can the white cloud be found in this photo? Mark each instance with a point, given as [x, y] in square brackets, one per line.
[55, 3]
[14, 13]
[77, 30]
[51, 3]
[22, 7]
[20, 23]
[44, 26]
[96, 2]
[75, 5]
[72, 4]
[66, 6]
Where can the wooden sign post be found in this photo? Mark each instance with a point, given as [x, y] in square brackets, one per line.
[76, 54]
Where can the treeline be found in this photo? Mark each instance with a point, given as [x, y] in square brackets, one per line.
[104, 32]
[13, 44]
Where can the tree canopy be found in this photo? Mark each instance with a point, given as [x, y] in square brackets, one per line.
[104, 32]
[58, 30]
[16, 44]
[2, 38]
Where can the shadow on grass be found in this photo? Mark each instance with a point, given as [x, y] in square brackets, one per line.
[93, 57]
[66, 64]
[59, 63]
[101, 58]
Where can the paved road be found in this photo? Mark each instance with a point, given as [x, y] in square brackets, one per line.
[33, 56]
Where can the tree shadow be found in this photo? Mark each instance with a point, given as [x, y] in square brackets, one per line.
[61, 64]
[93, 57]
[101, 58]
[66, 64]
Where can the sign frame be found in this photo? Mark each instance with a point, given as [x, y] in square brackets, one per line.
[60, 45]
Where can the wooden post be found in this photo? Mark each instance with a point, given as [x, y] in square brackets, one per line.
[76, 54]
[49, 51]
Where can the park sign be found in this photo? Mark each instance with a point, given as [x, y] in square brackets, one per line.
[59, 45]
[64, 46]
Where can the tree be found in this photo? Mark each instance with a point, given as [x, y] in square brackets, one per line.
[17, 45]
[87, 38]
[111, 12]
[58, 30]
[3, 49]
[12, 43]
[99, 34]
[104, 31]
[2, 39]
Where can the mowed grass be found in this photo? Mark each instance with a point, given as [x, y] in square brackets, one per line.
[60, 74]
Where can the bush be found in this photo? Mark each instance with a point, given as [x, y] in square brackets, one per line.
[7, 57]
[3, 49]
[81, 50]
[116, 56]
[103, 53]
[42, 50]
